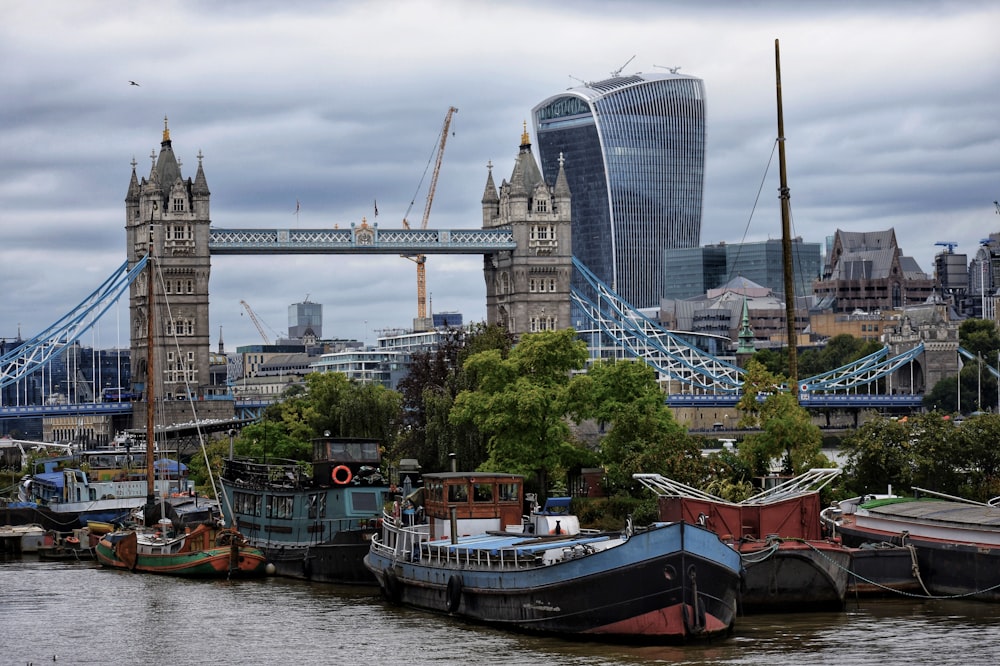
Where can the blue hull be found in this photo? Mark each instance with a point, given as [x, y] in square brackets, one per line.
[670, 583]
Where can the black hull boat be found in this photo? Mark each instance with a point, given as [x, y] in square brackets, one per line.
[790, 575]
[666, 583]
[956, 543]
[312, 521]
[339, 562]
[790, 566]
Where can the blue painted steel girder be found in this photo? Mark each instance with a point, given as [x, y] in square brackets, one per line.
[360, 239]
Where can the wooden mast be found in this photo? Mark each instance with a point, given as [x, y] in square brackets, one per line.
[150, 379]
[786, 240]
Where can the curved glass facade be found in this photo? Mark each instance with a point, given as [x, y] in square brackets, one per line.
[635, 163]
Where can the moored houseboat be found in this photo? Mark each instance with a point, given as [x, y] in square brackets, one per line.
[474, 554]
[313, 521]
[955, 542]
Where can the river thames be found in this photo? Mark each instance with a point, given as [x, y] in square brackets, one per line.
[83, 614]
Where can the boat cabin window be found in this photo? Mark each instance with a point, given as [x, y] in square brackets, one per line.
[458, 493]
[509, 492]
[346, 451]
[482, 492]
[365, 501]
[434, 490]
[279, 506]
[317, 505]
[246, 504]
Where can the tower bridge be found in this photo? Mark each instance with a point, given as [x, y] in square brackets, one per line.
[533, 283]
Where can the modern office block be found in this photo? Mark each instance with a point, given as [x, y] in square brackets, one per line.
[634, 149]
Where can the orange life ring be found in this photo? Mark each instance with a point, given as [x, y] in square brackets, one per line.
[339, 478]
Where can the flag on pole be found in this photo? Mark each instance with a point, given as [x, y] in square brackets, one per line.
[376, 208]
[297, 206]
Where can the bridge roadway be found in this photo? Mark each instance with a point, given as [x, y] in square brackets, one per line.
[249, 409]
[245, 409]
[807, 400]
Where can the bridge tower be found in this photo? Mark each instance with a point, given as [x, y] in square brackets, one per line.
[173, 214]
[928, 324]
[528, 289]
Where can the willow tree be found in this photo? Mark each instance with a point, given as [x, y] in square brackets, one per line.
[520, 403]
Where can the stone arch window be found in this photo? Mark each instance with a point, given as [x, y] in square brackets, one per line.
[504, 283]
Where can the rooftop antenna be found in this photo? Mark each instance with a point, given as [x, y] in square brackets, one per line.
[586, 83]
[673, 70]
[618, 71]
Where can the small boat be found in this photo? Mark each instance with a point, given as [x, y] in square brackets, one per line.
[75, 547]
[320, 517]
[956, 542]
[18, 539]
[207, 551]
[474, 555]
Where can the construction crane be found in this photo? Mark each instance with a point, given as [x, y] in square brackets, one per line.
[951, 245]
[420, 259]
[256, 322]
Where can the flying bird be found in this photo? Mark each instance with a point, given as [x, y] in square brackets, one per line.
[133, 83]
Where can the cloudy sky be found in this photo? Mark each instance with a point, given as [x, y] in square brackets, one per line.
[891, 110]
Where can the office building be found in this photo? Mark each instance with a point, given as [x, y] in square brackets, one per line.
[305, 318]
[696, 270]
[634, 150]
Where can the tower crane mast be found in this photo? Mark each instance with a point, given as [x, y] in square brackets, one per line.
[256, 322]
[420, 259]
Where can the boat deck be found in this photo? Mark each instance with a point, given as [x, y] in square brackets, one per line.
[495, 544]
[956, 514]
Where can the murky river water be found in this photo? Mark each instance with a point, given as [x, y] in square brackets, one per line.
[82, 614]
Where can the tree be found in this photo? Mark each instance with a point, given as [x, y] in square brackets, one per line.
[980, 456]
[786, 430]
[879, 454]
[644, 436]
[520, 402]
[429, 391]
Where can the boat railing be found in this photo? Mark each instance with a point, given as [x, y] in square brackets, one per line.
[918, 491]
[280, 472]
[398, 541]
[493, 550]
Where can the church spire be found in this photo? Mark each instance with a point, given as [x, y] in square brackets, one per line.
[746, 335]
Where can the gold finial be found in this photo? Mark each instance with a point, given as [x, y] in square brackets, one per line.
[525, 139]
[166, 130]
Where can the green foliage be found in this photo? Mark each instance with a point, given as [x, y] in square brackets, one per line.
[520, 402]
[782, 428]
[878, 454]
[612, 513]
[644, 436]
[429, 391]
[929, 451]
[979, 456]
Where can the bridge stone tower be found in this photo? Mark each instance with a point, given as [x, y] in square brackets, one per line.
[528, 289]
[930, 325]
[171, 215]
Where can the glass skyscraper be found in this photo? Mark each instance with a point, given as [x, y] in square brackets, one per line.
[634, 150]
